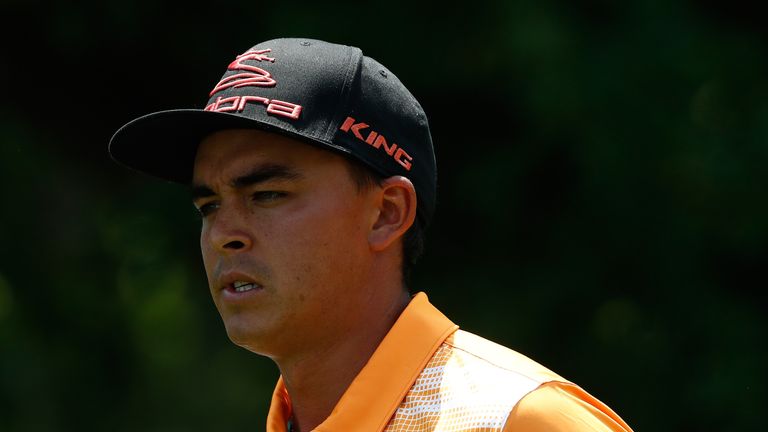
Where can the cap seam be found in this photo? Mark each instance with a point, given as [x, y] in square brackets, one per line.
[346, 90]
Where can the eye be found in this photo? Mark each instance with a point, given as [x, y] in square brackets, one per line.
[268, 196]
[207, 208]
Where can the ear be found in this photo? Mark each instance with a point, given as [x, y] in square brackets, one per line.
[396, 201]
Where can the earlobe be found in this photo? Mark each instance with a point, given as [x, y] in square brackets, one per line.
[396, 212]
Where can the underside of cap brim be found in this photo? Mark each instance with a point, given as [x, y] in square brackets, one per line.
[163, 144]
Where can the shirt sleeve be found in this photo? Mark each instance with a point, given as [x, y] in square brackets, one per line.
[560, 406]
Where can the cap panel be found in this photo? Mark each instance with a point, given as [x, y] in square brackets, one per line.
[293, 84]
[351, 80]
[388, 130]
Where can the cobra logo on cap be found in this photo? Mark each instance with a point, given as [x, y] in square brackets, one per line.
[255, 76]
[252, 76]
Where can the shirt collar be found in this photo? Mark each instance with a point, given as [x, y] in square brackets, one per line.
[379, 388]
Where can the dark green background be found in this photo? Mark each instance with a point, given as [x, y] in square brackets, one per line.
[601, 202]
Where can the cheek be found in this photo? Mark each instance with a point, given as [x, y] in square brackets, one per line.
[207, 254]
[324, 239]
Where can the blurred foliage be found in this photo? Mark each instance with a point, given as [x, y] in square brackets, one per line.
[601, 202]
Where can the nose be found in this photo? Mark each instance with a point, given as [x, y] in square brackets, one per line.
[233, 245]
[228, 232]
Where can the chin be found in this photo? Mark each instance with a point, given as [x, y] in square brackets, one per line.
[246, 336]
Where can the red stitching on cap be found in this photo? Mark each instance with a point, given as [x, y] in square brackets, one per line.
[258, 76]
[245, 99]
[275, 107]
[250, 55]
[356, 130]
[399, 158]
[260, 79]
[347, 123]
[377, 140]
[389, 149]
[217, 106]
[285, 109]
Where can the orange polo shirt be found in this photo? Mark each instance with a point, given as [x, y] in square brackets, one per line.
[427, 375]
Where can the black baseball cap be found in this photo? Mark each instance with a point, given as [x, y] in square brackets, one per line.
[322, 93]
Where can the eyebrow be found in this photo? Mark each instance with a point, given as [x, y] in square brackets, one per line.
[259, 174]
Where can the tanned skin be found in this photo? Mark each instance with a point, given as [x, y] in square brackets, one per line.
[322, 258]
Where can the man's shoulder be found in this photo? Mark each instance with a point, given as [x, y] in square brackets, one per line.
[496, 359]
[492, 373]
[538, 398]
[469, 383]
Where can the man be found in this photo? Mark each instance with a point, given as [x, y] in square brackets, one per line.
[313, 169]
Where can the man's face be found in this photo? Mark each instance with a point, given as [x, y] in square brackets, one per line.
[284, 239]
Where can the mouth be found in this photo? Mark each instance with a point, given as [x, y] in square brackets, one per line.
[243, 286]
[235, 285]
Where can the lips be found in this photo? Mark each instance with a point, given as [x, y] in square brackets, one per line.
[243, 286]
[238, 283]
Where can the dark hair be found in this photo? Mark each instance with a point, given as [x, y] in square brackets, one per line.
[413, 240]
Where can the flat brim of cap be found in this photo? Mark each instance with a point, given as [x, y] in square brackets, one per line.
[164, 144]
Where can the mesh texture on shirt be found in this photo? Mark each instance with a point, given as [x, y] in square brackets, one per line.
[459, 391]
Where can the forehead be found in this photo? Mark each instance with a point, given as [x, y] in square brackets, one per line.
[233, 150]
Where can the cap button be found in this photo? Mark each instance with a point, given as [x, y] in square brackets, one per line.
[305, 43]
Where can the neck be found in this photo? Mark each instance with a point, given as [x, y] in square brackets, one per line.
[317, 378]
